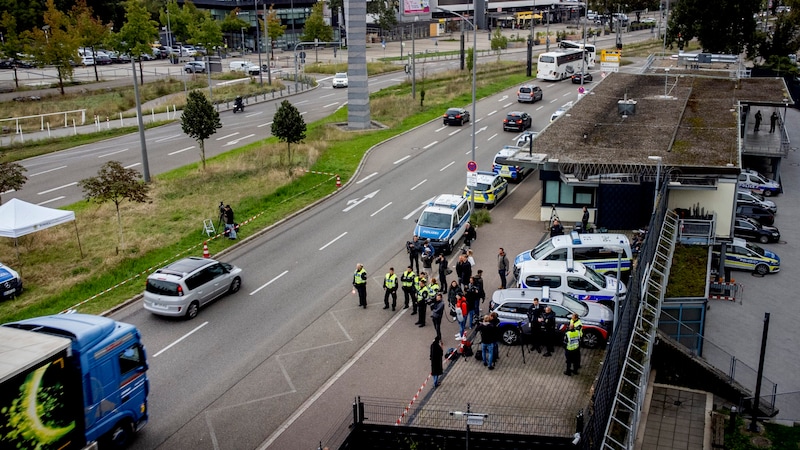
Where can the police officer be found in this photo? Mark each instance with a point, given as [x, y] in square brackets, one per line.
[423, 297]
[572, 350]
[421, 277]
[575, 321]
[536, 321]
[407, 281]
[360, 285]
[434, 287]
[414, 248]
[390, 288]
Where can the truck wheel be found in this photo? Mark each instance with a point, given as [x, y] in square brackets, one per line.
[119, 436]
[192, 310]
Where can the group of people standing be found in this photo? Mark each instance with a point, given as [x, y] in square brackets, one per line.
[542, 321]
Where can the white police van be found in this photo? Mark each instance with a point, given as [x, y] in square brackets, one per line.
[572, 278]
[754, 181]
[443, 221]
[598, 251]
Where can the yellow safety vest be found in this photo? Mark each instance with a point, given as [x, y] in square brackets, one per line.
[408, 278]
[577, 324]
[434, 288]
[360, 277]
[423, 294]
[573, 340]
[390, 281]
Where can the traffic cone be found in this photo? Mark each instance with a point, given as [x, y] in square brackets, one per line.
[338, 182]
[206, 254]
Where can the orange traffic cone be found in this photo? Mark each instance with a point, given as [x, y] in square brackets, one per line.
[206, 254]
[338, 182]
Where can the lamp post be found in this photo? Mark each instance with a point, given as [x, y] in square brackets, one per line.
[169, 30]
[243, 52]
[474, 64]
[413, 61]
[657, 159]
[258, 44]
[269, 43]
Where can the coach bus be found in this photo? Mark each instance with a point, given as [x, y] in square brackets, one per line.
[591, 51]
[556, 66]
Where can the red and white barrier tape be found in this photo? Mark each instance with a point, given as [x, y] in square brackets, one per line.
[413, 399]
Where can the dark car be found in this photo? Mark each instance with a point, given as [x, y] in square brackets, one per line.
[6, 63]
[576, 78]
[517, 121]
[761, 215]
[751, 230]
[456, 116]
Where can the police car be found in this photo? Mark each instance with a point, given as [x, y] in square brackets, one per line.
[742, 255]
[443, 221]
[596, 250]
[754, 181]
[501, 167]
[491, 188]
[10, 283]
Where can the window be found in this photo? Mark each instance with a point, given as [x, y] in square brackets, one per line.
[131, 360]
[559, 311]
[558, 255]
[552, 281]
[560, 194]
[580, 284]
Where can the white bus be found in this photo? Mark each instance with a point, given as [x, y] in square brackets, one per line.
[556, 66]
[591, 51]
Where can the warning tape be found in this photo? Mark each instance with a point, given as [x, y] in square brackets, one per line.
[320, 173]
[413, 399]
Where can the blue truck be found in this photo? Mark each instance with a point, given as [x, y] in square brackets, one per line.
[71, 381]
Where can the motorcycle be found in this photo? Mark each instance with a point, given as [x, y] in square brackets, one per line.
[238, 105]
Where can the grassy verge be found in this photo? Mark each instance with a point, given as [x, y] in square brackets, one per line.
[258, 180]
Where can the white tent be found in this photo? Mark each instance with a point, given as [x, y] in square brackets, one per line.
[18, 218]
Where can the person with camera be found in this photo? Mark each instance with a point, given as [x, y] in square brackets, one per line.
[441, 261]
[414, 248]
[428, 253]
[230, 224]
[473, 294]
[488, 332]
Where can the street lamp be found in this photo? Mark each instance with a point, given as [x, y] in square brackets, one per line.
[472, 418]
[258, 44]
[474, 64]
[657, 159]
[413, 61]
[169, 31]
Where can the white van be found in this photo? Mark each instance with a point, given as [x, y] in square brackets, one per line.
[239, 66]
[571, 277]
[598, 251]
[444, 221]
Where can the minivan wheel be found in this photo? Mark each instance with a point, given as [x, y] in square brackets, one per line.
[591, 339]
[235, 285]
[762, 269]
[192, 310]
[510, 336]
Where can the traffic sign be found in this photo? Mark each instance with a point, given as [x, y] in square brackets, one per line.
[581, 90]
[472, 179]
[472, 166]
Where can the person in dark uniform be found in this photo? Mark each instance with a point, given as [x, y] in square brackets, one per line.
[549, 330]
[469, 234]
[390, 289]
[773, 120]
[360, 285]
[536, 321]
[407, 281]
[437, 352]
[437, 310]
[758, 120]
[423, 296]
[556, 229]
[414, 248]
[441, 261]
[585, 221]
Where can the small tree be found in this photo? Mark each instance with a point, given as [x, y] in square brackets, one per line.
[115, 183]
[90, 30]
[274, 29]
[470, 63]
[206, 32]
[11, 46]
[11, 177]
[288, 126]
[200, 120]
[316, 28]
[138, 32]
[499, 42]
[55, 44]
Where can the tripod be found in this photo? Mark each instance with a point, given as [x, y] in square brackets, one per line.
[521, 344]
[553, 216]
[221, 208]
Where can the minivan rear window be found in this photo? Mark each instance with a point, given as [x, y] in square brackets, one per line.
[161, 287]
[525, 90]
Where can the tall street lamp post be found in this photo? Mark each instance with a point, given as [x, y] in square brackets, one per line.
[243, 52]
[474, 61]
[258, 44]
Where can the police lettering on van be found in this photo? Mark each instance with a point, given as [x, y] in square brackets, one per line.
[443, 221]
[598, 251]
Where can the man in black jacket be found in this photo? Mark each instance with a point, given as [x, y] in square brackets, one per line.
[469, 234]
[536, 320]
[414, 248]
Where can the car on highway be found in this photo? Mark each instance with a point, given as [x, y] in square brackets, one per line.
[455, 116]
[763, 216]
[577, 76]
[340, 80]
[754, 181]
[517, 121]
[10, 282]
[490, 190]
[195, 67]
[745, 197]
[512, 305]
[742, 255]
[184, 286]
[529, 93]
[752, 230]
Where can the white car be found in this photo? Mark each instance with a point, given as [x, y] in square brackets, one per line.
[10, 282]
[195, 67]
[339, 80]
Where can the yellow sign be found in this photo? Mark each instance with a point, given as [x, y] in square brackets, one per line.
[610, 56]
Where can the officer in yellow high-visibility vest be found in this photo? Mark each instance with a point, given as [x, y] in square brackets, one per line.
[360, 285]
[407, 281]
[390, 288]
[417, 283]
[423, 297]
[575, 321]
[572, 350]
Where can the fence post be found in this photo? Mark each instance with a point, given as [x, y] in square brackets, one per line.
[83, 116]
[42, 116]
[66, 124]
[74, 129]
[121, 123]
[48, 129]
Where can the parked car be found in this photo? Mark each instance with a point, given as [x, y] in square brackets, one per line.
[195, 67]
[455, 116]
[340, 80]
[742, 255]
[181, 288]
[576, 77]
[763, 216]
[754, 181]
[490, 190]
[512, 305]
[744, 197]
[6, 63]
[87, 60]
[752, 230]
[517, 121]
[529, 93]
[10, 282]
[102, 58]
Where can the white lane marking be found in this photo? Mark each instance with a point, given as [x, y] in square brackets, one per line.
[430, 145]
[553, 100]
[479, 120]
[540, 107]
[255, 114]
[331, 242]
[269, 282]
[507, 105]
[418, 184]
[329, 95]
[480, 129]
[366, 178]
[74, 183]
[167, 138]
[402, 159]
[226, 137]
[112, 153]
[236, 141]
[414, 212]
[8, 191]
[331, 104]
[454, 132]
[133, 165]
[441, 128]
[301, 102]
[352, 203]
[491, 137]
[50, 201]
[303, 113]
[493, 112]
[445, 167]
[180, 151]
[264, 124]
[46, 171]
[502, 98]
[341, 106]
[567, 94]
[180, 339]
[384, 207]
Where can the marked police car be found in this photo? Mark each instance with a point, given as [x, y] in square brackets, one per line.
[572, 278]
[10, 283]
[504, 169]
[754, 181]
[742, 255]
[443, 221]
[511, 306]
[598, 251]
[491, 188]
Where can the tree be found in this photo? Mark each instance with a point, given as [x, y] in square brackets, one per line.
[28, 15]
[206, 32]
[288, 126]
[499, 42]
[470, 60]
[200, 120]
[728, 26]
[11, 177]
[138, 32]
[116, 184]
[783, 40]
[11, 45]
[232, 24]
[90, 30]
[54, 44]
[274, 29]
[316, 28]
[386, 12]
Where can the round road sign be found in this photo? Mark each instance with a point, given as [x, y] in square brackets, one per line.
[581, 90]
[472, 166]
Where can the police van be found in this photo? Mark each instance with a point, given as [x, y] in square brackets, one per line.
[502, 167]
[598, 251]
[443, 221]
[742, 255]
[572, 278]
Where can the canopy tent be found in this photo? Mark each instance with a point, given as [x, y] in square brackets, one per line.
[18, 218]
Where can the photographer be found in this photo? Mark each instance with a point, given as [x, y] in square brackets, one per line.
[427, 254]
[413, 248]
